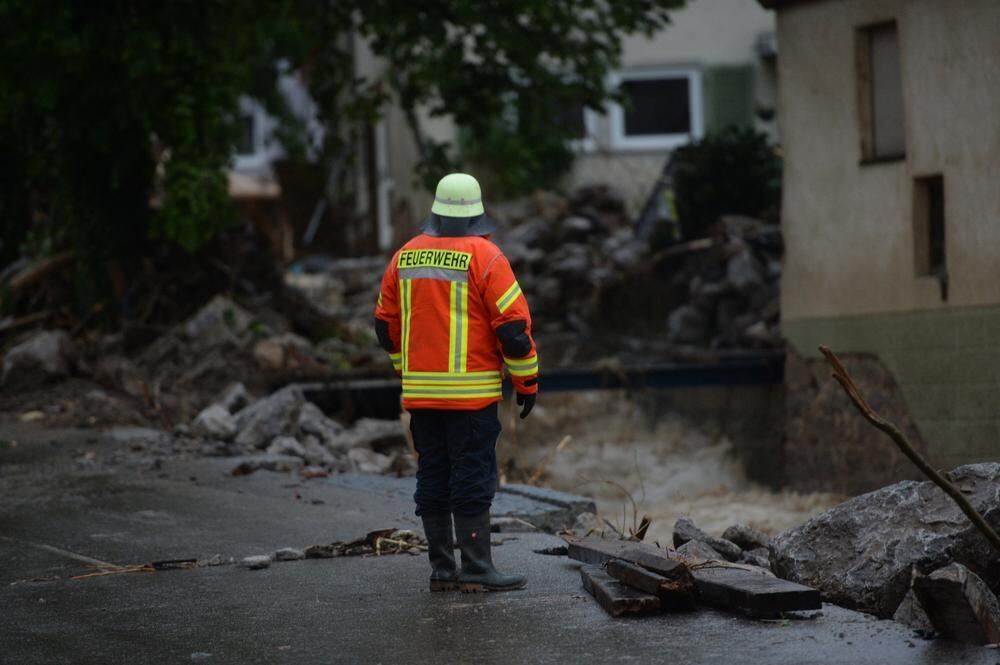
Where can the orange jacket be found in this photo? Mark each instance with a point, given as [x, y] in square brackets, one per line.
[452, 316]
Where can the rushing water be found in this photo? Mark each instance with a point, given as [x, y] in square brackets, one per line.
[671, 467]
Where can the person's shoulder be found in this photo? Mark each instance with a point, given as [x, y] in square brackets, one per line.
[485, 246]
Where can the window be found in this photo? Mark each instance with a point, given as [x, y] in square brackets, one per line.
[880, 93]
[928, 229]
[663, 109]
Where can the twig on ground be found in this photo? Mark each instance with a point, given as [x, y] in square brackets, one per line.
[844, 379]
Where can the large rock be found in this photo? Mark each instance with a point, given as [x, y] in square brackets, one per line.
[45, 356]
[269, 417]
[860, 553]
[685, 530]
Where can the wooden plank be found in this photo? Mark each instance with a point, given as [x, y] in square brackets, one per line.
[960, 604]
[598, 551]
[616, 598]
[673, 596]
[756, 594]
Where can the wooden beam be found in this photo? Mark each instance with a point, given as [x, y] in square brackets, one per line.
[673, 596]
[738, 589]
[616, 598]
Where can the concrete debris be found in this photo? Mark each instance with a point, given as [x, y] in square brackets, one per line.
[45, 356]
[587, 524]
[234, 397]
[289, 554]
[220, 320]
[286, 445]
[312, 421]
[685, 530]
[269, 417]
[375, 434]
[860, 554]
[911, 613]
[365, 460]
[214, 422]
[960, 605]
[746, 537]
[256, 562]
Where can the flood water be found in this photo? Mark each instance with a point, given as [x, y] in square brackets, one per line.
[671, 467]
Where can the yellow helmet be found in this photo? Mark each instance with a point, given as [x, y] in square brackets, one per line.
[458, 195]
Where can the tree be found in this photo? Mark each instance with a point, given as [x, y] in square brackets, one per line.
[482, 61]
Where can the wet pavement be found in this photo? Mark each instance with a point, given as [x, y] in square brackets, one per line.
[61, 509]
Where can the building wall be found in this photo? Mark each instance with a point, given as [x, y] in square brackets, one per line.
[705, 33]
[850, 279]
[848, 227]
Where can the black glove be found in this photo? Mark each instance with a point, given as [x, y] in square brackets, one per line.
[528, 401]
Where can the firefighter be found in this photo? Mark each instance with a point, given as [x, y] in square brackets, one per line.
[451, 316]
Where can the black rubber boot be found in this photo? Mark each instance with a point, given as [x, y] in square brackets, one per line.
[478, 573]
[441, 551]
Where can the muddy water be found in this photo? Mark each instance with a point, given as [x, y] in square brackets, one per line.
[669, 466]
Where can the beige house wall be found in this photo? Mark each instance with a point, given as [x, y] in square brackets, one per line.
[850, 277]
[849, 227]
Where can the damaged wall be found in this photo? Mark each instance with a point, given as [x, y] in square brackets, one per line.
[852, 270]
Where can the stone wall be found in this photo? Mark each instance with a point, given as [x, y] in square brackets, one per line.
[946, 363]
[828, 446]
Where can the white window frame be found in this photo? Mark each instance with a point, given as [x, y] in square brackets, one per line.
[588, 142]
[621, 141]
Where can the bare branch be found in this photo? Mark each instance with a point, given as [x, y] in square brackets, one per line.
[844, 379]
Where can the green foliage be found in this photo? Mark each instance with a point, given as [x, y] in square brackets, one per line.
[104, 104]
[734, 171]
[475, 60]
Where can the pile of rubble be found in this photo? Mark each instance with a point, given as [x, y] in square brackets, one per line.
[171, 380]
[285, 432]
[585, 271]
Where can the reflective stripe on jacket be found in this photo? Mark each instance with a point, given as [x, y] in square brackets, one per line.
[443, 299]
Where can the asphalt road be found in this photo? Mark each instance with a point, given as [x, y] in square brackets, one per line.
[63, 509]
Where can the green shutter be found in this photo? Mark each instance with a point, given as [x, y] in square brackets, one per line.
[728, 95]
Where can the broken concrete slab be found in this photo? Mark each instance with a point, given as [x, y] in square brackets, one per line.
[571, 502]
[911, 613]
[960, 605]
[266, 418]
[616, 598]
[860, 553]
[289, 554]
[256, 562]
[685, 530]
[673, 596]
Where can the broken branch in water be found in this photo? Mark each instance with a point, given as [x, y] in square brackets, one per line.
[844, 379]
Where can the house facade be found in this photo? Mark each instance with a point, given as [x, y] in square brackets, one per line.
[890, 132]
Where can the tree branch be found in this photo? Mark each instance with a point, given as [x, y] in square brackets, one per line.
[844, 379]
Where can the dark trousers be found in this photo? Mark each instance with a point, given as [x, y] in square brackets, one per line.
[456, 460]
